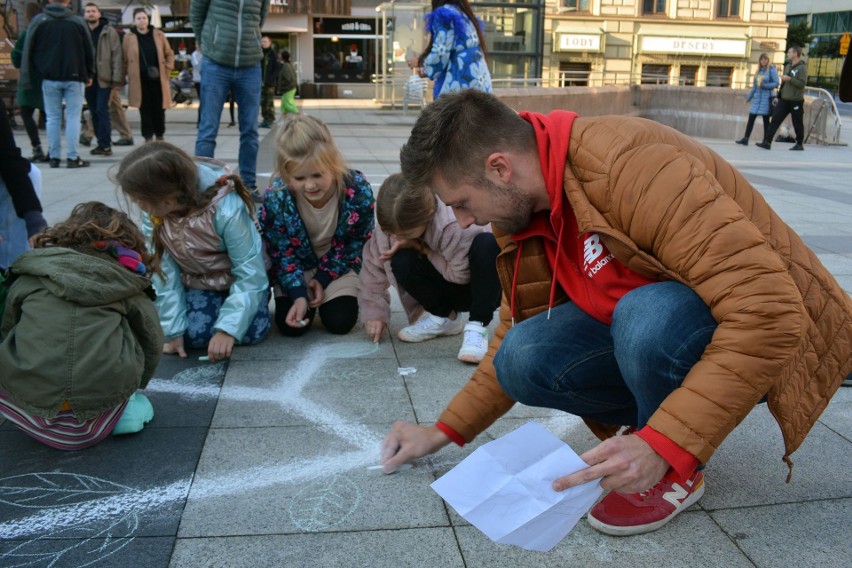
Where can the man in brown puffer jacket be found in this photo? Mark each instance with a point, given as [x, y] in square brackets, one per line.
[646, 284]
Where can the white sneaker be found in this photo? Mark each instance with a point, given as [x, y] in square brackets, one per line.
[430, 327]
[475, 343]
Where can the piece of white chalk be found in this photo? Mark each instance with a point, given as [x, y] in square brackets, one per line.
[204, 358]
[402, 467]
[303, 322]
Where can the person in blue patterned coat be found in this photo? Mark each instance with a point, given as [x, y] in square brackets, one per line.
[316, 217]
[456, 57]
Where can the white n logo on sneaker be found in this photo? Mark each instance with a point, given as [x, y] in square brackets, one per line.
[676, 495]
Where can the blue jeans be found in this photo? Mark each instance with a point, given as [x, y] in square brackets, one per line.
[618, 374]
[217, 82]
[98, 100]
[54, 92]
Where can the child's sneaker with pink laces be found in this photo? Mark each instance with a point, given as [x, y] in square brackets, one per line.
[621, 514]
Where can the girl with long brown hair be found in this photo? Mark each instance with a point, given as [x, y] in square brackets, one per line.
[213, 292]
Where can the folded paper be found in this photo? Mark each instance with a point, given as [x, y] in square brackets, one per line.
[504, 489]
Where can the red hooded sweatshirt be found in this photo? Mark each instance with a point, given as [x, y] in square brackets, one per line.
[582, 266]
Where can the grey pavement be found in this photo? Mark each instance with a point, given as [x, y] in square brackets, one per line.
[263, 461]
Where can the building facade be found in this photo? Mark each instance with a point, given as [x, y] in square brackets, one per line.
[677, 42]
[344, 47]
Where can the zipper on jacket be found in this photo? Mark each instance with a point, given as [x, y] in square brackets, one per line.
[239, 33]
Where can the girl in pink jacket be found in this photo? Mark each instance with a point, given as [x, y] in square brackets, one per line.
[438, 268]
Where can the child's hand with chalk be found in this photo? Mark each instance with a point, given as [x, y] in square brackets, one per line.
[297, 315]
[375, 329]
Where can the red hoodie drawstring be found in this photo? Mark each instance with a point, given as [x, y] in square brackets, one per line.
[555, 267]
[515, 282]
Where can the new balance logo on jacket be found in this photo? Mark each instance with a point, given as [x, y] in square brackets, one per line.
[593, 248]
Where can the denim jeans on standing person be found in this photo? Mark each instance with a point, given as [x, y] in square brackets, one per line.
[617, 374]
[98, 100]
[216, 82]
[54, 93]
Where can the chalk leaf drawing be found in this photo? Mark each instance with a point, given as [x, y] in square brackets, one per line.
[54, 550]
[58, 490]
[324, 503]
[40, 490]
[201, 375]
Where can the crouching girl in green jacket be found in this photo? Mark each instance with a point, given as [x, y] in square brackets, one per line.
[80, 333]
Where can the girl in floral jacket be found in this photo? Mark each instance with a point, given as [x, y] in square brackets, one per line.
[316, 217]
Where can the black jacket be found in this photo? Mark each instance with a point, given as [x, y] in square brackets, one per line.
[271, 66]
[15, 169]
[59, 45]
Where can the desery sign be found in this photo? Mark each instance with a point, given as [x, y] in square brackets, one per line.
[694, 46]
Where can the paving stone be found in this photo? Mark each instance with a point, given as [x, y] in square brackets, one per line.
[303, 479]
[708, 547]
[798, 534]
[376, 549]
[292, 392]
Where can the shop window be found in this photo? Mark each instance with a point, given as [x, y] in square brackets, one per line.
[343, 60]
[831, 22]
[654, 74]
[654, 7]
[719, 76]
[688, 73]
[512, 32]
[574, 74]
[576, 5]
[728, 9]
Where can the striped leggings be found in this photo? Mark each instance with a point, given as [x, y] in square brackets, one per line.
[64, 432]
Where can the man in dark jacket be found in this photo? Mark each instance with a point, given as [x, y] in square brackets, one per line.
[791, 100]
[58, 50]
[232, 56]
[270, 67]
[109, 73]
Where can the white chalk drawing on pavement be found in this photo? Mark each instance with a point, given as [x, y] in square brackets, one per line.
[324, 504]
[102, 517]
[66, 504]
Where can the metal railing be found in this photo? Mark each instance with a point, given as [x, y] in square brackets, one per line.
[825, 122]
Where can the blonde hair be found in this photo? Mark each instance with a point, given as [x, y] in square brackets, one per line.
[158, 170]
[400, 207]
[304, 139]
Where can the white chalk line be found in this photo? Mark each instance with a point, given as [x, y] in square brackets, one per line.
[288, 395]
[94, 510]
[188, 391]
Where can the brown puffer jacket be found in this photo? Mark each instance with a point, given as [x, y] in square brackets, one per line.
[670, 208]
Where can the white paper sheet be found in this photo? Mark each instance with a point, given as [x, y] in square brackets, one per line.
[504, 489]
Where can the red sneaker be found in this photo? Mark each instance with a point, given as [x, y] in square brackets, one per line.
[622, 514]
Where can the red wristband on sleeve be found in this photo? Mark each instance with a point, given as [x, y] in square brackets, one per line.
[681, 461]
[451, 434]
